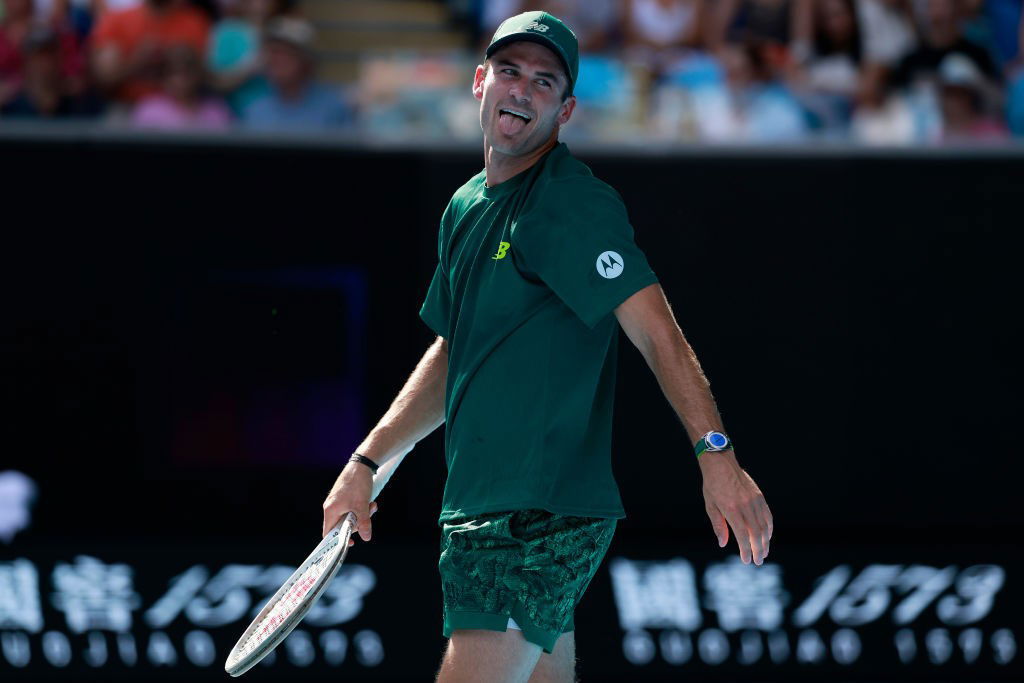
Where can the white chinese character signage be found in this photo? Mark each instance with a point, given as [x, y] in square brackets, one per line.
[729, 614]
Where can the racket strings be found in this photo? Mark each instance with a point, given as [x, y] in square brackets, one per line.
[291, 599]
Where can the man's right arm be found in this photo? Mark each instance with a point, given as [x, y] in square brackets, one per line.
[416, 412]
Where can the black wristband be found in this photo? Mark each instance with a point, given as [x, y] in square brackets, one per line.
[366, 461]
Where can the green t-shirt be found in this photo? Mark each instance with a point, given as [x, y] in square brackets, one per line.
[529, 273]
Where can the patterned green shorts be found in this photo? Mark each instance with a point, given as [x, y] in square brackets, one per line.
[530, 565]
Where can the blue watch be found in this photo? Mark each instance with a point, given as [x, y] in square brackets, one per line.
[713, 442]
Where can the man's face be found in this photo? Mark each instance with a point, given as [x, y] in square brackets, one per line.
[520, 92]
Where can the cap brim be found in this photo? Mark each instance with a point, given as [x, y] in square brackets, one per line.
[539, 40]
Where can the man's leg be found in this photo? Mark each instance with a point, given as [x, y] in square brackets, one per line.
[560, 665]
[479, 656]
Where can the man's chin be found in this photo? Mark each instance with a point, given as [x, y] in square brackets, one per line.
[513, 146]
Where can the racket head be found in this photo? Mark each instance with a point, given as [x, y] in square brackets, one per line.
[292, 601]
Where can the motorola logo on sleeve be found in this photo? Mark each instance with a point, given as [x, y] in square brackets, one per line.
[609, 265]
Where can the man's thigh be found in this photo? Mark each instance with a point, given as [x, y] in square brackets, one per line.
[476, 656]
[560, 665]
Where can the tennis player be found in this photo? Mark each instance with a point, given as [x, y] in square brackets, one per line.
[537, 271]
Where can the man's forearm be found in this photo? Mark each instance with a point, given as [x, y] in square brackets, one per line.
[416, 411]
[731, 498]
[675, 365]
[647, 320]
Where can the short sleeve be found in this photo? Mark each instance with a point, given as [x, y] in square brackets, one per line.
[437, 306]
[578, 240]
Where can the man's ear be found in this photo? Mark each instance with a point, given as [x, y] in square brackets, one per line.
[568, 107]
[478, 81]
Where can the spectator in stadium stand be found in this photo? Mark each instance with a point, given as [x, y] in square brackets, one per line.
[46, 91]
[827, 57]
[235, 46]
[76, 15]
[766, 26]
[887, 36]
[941, 37]
[752, 106]
[753, 21]
[883, 116]
[887, 31]
[296, 101]
[1004, 20]
[128, 45]
[593, 21]
[963, 98]
[493, 12]
[17, 21]
[660, 33]
[15, 24]
[183, 104]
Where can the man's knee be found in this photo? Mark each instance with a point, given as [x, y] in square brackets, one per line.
[481, 655]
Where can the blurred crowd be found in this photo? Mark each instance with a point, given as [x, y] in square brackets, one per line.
[874, 71]
[749, 71]
[165, 64]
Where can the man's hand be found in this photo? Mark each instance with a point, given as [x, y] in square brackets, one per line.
[351, 493]
[732, 499]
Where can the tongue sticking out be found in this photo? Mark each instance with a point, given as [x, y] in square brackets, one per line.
[510, 124]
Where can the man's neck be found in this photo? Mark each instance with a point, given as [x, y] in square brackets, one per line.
[500, 167]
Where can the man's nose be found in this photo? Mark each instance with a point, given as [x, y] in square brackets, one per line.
[520, 91]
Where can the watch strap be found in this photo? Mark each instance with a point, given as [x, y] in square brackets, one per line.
[702, 446]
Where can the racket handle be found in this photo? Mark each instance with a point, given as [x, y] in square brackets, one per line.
[384, 473]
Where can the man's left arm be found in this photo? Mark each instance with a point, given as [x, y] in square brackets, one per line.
[730, 495]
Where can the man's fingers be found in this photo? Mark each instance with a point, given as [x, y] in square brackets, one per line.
[719, 526]
[332, 518]
[764, 517]
[768, 519]
[363, 522]
[373, 511]
[755, 532]
[741, 533]
[756, 543]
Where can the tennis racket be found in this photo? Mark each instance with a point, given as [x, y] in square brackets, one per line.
[299, 593]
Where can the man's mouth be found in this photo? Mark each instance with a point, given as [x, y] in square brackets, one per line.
[511, 121]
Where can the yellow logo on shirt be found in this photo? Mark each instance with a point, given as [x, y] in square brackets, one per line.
[502, 250]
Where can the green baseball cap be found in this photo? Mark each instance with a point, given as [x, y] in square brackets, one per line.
[544, 29]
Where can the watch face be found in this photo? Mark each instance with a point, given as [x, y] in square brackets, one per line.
[717, 440]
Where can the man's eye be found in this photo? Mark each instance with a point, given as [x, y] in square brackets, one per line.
[510, 72]
[541, 81]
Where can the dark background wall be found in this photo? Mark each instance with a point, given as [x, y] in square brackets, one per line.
[856, 312]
